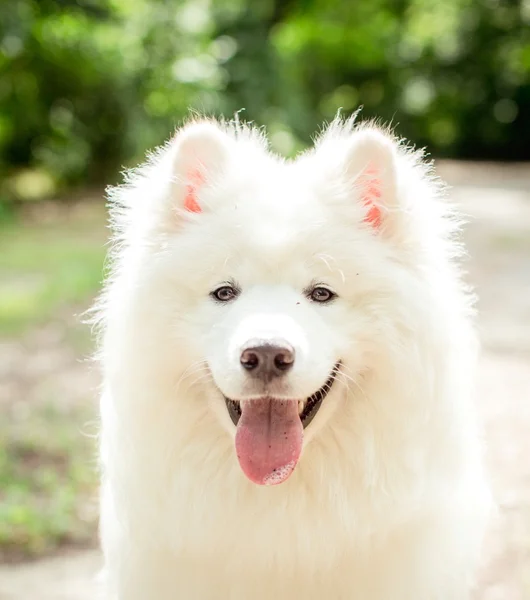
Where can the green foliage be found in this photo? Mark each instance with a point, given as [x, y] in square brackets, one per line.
[88, 85]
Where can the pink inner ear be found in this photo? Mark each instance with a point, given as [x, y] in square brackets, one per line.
[196, 179]
[371, 195]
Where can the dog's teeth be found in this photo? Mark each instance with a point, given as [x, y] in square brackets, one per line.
[301, 405]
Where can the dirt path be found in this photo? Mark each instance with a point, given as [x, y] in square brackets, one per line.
[498, 200]
[71, 576]
[504, 391]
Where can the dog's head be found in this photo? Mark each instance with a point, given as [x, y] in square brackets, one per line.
[274, 286]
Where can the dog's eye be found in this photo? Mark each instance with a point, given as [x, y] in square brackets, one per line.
[225, 293]
[321, 294]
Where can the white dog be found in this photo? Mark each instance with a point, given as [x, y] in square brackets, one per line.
[288, 368]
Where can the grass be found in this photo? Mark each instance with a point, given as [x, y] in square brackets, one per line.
[47, 264]
[50, 267]
[47, 483]
[510, 240]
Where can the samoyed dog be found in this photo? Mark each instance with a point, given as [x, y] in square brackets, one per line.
[288, 357]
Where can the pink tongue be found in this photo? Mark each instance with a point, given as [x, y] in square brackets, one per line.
[269, 440]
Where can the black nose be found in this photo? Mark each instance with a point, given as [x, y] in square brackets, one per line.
[266, 360]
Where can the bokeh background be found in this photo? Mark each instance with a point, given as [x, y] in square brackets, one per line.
[87, 86]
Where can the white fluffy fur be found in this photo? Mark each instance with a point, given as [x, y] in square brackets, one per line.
[388, 501]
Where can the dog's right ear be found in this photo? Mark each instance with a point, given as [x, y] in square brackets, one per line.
[200, 152]
[370, 163]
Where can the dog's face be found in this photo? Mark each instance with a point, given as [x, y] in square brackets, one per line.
[274, 282]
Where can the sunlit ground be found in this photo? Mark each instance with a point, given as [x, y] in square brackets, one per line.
[50, 267]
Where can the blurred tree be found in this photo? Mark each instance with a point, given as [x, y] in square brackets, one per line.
[89, 84]
[455, 74]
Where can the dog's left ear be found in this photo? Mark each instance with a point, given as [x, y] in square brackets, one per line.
[200, 154]
[370, 169]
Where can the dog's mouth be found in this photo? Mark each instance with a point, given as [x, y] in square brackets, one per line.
[307, 409]
[270, 432]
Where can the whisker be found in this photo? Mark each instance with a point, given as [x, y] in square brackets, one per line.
[325, 258]
[202, 378]
[194, 368]
[347, 379]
